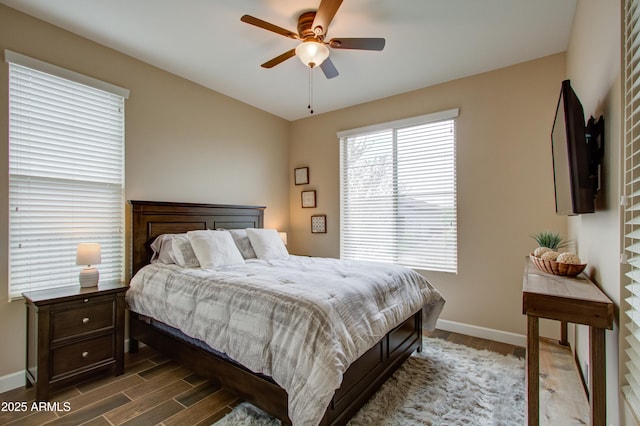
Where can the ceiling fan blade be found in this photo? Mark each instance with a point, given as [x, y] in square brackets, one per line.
[329, 69]
[358, 43]
[326, 11]
[268, 26]
[279, 59]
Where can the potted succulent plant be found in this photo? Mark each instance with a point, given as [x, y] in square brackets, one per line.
[549, 239]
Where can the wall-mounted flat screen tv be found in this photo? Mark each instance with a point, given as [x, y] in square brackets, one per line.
[577, 152]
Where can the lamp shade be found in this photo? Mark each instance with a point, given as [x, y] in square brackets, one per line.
[283, 237]
[312, 53]
[88, 254]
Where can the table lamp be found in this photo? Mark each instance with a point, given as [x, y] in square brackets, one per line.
[88, 254]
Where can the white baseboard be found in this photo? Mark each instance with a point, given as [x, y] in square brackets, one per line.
[483, 333]
[12, 381]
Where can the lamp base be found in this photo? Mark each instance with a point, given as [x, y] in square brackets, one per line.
[89, 277]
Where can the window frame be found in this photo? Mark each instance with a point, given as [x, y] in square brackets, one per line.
[451, 265]
[631, 191]
[28, 79]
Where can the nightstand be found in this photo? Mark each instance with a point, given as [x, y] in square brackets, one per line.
[73, 333]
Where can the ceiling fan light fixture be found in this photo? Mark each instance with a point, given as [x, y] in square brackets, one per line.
[312, 53]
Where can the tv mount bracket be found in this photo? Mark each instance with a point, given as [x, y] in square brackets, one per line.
[594, 133]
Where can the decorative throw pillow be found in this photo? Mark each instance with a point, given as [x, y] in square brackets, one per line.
[161, 247]
[267, 243]
[182, 253]
[214, 248]
[241, 239]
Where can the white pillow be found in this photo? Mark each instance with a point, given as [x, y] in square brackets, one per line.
[182, 253]
[214, 248]
[241, 239]
[161, 247]
[267, 243]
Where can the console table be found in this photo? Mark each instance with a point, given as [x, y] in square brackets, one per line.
[566, 299]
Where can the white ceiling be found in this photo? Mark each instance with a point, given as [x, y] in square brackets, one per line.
[427, 42]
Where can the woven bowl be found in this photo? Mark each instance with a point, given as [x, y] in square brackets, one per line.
[557, 268]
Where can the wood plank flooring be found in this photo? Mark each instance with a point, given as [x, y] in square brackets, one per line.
[153, 390]
[563, 400]
[156, 390]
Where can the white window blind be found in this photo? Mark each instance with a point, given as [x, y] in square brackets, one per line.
[398, 192]
[66, 177]
[631, 65]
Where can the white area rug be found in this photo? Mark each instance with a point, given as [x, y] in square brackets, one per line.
[446, 384]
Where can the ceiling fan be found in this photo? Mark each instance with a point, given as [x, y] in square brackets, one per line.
[312, 29]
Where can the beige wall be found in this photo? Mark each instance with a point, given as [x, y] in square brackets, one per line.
[183, 143]
[505, 182]
[593, 65]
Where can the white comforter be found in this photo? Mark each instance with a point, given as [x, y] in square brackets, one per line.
[301, 321]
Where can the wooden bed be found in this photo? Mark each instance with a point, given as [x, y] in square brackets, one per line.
[361, 380]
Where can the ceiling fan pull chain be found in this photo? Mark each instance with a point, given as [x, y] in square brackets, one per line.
[310, 106]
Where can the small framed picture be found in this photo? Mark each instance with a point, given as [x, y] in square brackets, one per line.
[301, 175]
[319, 224]
[308, 199]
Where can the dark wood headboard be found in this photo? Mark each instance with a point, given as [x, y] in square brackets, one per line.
[153, 218]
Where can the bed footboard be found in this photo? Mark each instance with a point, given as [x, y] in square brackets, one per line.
[365, 376]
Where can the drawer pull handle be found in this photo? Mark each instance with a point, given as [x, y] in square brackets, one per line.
[85, 320]
[85, 354]
[85, 300]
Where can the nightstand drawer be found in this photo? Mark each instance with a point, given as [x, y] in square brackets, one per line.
[83, 319]
[83, 354]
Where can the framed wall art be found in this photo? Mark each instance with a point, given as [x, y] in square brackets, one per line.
[301, 175]
[319, 224]
[308, 199]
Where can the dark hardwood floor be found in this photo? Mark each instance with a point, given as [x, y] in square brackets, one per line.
[156, 390]
[153, 390]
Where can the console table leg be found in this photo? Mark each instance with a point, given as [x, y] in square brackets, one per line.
[564, 340]
[533, 371]
[597, 373]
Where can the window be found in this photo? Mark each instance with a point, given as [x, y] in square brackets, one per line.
[66, 174]
[398, 192]
[631, 92]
